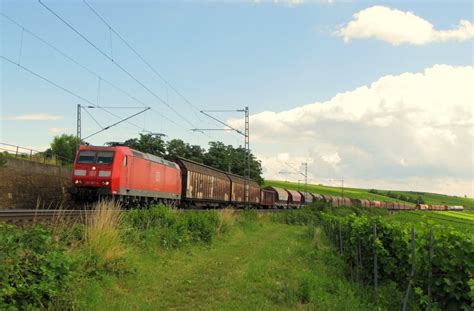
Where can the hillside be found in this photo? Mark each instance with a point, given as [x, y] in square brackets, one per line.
[381, 195]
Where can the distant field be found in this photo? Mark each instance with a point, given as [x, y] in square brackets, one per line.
[428, 198]
[462, 221]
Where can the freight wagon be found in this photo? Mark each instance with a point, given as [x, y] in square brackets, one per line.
[294, 199]
[281, 196]
[237, 197]
[267, 198]
[360, 202]
[203, 186]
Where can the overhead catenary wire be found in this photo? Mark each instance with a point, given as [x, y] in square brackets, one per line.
[61, 87]
[115, 63]
[152, 68]
[92, 117]
[48, 81]
[90, 71]
[116, 123]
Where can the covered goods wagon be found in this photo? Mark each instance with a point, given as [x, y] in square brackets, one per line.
[203, 185]
[238, 184]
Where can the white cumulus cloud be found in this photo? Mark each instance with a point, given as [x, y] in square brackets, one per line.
[56, 130]
[398, 27]
[35, 117]
[400, 128]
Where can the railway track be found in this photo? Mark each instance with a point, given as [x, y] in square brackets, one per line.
[33, 215]
[37, 215]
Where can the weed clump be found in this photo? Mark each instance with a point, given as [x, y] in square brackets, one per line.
[102, 232]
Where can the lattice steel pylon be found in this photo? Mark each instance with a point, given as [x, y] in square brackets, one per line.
[78, 124]
[247, 149]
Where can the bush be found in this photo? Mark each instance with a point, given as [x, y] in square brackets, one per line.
[304, 216]
[35, 271]
[170, 228]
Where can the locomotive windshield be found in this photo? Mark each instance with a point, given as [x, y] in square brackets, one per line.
[105, 157]
[90, 156]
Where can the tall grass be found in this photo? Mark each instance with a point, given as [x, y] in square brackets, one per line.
[102, 231]
[227, 219]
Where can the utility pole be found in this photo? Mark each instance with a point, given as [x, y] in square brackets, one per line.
[246, 135]
[247, 149]
[297, 171]
[78, 126]
[305, 164]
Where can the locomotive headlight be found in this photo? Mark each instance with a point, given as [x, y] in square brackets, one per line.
[77, 182]
[93, 168]
[105, 183]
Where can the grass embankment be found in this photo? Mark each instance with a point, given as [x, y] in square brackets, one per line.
[163, 259]
[264, 266]
[381, 195]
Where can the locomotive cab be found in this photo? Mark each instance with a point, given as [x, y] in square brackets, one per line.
[92, 174]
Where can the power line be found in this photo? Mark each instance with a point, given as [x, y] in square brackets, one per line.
[61, 87]
[115, 63]
[116, 123]
[90, 71]
[47, 80]
[141, 57]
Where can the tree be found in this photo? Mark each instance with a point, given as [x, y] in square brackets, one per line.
[148, 143]
[227, 158]
[64, 147]
[177, 147]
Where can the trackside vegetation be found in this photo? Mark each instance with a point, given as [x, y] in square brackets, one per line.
[160, 258]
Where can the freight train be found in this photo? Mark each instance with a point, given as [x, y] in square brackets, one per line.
[137, 178]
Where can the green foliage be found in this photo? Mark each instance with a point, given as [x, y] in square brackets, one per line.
[400, 196]
[64, 146]
[304, 216]
[177, 147]
[35, 271]
[452, 263]
[3, 162]
[170, 228]
[226, 157]
[148, 143]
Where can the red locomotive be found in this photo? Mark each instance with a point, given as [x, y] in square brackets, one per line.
[124, 173]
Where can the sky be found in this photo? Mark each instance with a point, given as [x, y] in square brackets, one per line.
[378, 94]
